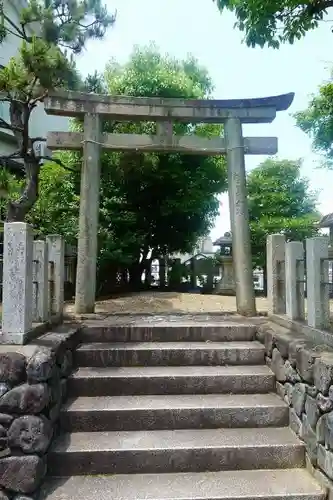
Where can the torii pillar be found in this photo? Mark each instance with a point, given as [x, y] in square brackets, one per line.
[239, 218]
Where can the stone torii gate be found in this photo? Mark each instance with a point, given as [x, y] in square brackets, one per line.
[165, 111]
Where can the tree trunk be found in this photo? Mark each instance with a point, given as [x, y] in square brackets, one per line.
[18, 209]
[19, 118]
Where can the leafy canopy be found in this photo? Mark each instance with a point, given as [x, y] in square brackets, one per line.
[272, 22]
[51, 33]
[317, 122]
[280, 201]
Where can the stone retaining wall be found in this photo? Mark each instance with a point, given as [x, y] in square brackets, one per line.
[304, 373]
[32, 389]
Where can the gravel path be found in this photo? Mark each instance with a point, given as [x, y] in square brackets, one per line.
[169, 302]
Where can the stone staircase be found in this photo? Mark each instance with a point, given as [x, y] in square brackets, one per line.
[175, 411]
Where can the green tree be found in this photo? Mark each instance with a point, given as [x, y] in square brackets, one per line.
[317, 122]
[274, 22]
[280, 201]
[51, 33]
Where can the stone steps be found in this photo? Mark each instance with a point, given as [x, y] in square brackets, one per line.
[195, 450]
[169, 354]
[294, 484]
[88, 381]
[152, 330]
[173, 412]
[176, 411]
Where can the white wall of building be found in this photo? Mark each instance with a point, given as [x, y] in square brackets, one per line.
[40, 122]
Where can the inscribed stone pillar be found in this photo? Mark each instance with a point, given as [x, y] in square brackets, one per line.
[239, 216]
[88, 221]
[41, 282]
[294, 271]
[56, 251]
[17, 282]
[276, 273]
[317, 287]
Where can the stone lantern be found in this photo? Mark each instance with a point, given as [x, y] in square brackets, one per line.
[226, 286]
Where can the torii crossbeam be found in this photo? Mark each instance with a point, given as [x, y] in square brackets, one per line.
[165, 111]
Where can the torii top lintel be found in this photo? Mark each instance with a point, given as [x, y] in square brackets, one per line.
[257, 110]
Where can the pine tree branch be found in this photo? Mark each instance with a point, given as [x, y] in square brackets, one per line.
[7, 126]
[19, 33]
[57, 161]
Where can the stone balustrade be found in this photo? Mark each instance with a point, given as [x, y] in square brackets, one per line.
[33, 282]
[293, 268]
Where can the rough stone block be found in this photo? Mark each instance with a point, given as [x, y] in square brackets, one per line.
[277, 366]
[3, 388]
[30, 434]
[324, 404]
[329, 430]
[311, 390]
[291, 373]
[41, 365]
[310, 439]
[298, 398]
[66, 365]
[282, 342]
[22, 474]
[295, 422]
[6, 419]
[294, 347]
[280, 389]
[3, 495]
[305, 359]
[312, 411]
[325, 461]
[25, 399]
[289, 388]
[12, 368]
[321, 429]
[269, 342]
[65, 336]
[323, 372]
[261, 332]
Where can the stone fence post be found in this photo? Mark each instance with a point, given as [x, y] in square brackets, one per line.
[317, 284]
[276, 273]
[17, 282]
[56, 251]
[41, 312]
[295, 284]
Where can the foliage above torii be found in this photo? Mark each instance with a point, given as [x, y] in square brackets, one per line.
[272, 22]
[280, 201]
[50, 32]
[317, 121]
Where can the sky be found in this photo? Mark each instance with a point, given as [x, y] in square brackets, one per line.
[181, 27]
